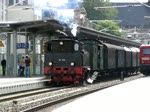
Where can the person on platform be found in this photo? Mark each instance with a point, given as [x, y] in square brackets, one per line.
[27, 66]
[22, 66]
[3, 63]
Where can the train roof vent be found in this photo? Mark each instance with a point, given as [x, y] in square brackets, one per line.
[126, 49]
[110, 45]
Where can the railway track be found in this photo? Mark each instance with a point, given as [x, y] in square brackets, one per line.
[85, 90]
[33, 102]
[7, 102]
[14, 96]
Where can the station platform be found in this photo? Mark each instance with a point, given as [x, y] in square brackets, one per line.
[133, 96]
[10, 80]
[16, 84]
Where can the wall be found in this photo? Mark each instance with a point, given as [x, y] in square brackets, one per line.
[20, 13]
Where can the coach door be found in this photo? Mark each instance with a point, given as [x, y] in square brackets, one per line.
[100, 57]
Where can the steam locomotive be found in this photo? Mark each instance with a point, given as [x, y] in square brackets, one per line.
[66, 61]
[69, 60]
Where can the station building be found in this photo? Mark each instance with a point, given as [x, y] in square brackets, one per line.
[30, 10]
[133, 23]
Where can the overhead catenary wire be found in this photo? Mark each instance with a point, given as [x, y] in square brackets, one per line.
[143, 3]
[107, 7]
[136, 5]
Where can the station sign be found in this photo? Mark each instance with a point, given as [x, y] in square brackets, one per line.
[3, 36]
[22, 45]
[1, 44]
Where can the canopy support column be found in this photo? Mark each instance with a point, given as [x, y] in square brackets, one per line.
[15, 72]
[34, 54]
[8, 64]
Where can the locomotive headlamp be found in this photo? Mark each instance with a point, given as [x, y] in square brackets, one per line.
[61, 43]
[72, 63]
[88, 68]
[50, 63]
[76, 46]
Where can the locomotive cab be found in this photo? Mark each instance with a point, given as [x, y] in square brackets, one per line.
[65, 61]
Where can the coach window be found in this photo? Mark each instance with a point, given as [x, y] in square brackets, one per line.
[76, 46]
[49, 47]
[146, 50]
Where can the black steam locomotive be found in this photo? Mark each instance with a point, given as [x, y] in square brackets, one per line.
[69, 60]
[66, 61]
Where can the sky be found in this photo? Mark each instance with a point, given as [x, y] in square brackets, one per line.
[128, 1]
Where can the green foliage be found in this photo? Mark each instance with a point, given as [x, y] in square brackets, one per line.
[108, 27]
[102, 14]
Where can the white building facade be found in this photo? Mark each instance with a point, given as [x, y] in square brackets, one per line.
[18, 10]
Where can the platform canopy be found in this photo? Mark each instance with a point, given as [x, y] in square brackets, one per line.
[33, 26]
[26, 28]
[52, 25]
[86, 33]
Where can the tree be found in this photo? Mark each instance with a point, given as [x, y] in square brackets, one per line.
[108, 27]
[101, 14]
[105, 15]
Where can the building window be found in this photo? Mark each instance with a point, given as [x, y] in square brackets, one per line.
[25, 2]
[11, 2]
[17, 1]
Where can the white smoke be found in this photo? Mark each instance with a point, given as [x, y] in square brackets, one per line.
[65, 15]
[51, 3]
[61, 10]
[74, 29]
